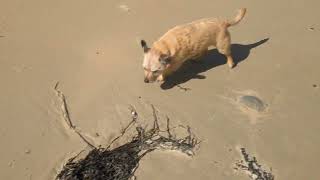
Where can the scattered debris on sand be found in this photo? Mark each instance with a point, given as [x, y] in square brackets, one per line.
[251, 166]
[120, 163]
[183, 88]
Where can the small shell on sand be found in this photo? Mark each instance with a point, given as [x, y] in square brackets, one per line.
[124, 7]
[27, 151]
[252, 102]
[311, 28]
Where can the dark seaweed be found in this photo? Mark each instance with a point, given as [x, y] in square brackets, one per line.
[251, 165]
[121, 162]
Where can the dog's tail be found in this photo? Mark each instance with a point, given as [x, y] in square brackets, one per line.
[238, 18]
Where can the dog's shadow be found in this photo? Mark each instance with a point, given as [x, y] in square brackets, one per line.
[190, 69]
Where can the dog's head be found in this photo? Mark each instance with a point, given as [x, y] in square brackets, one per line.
[154, 63]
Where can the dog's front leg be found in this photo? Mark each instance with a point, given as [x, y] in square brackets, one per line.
[170, 70]
[160, 78]
[230, 61]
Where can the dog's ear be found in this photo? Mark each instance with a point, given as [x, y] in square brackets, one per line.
[165, 59]
[144, 46]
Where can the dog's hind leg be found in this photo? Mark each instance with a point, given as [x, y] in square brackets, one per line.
[224, 46]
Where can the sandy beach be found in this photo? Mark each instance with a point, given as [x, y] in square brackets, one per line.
[92, 50]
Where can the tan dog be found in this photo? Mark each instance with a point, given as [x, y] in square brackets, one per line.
[188, 41]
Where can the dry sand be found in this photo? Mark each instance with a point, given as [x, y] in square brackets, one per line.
[92, 49]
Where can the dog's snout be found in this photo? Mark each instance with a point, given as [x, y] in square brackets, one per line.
[146, 80]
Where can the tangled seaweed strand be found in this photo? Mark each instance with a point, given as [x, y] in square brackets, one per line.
[121, 162]
[253, 167]
[103, 164]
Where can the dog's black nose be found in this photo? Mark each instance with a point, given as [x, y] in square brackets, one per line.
[146, 80]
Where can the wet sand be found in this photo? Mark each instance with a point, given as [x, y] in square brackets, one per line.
[92, 49]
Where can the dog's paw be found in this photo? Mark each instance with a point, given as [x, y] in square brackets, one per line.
[160, 79]
[231, 65]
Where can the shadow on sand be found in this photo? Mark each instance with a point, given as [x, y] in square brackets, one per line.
[191, 70]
